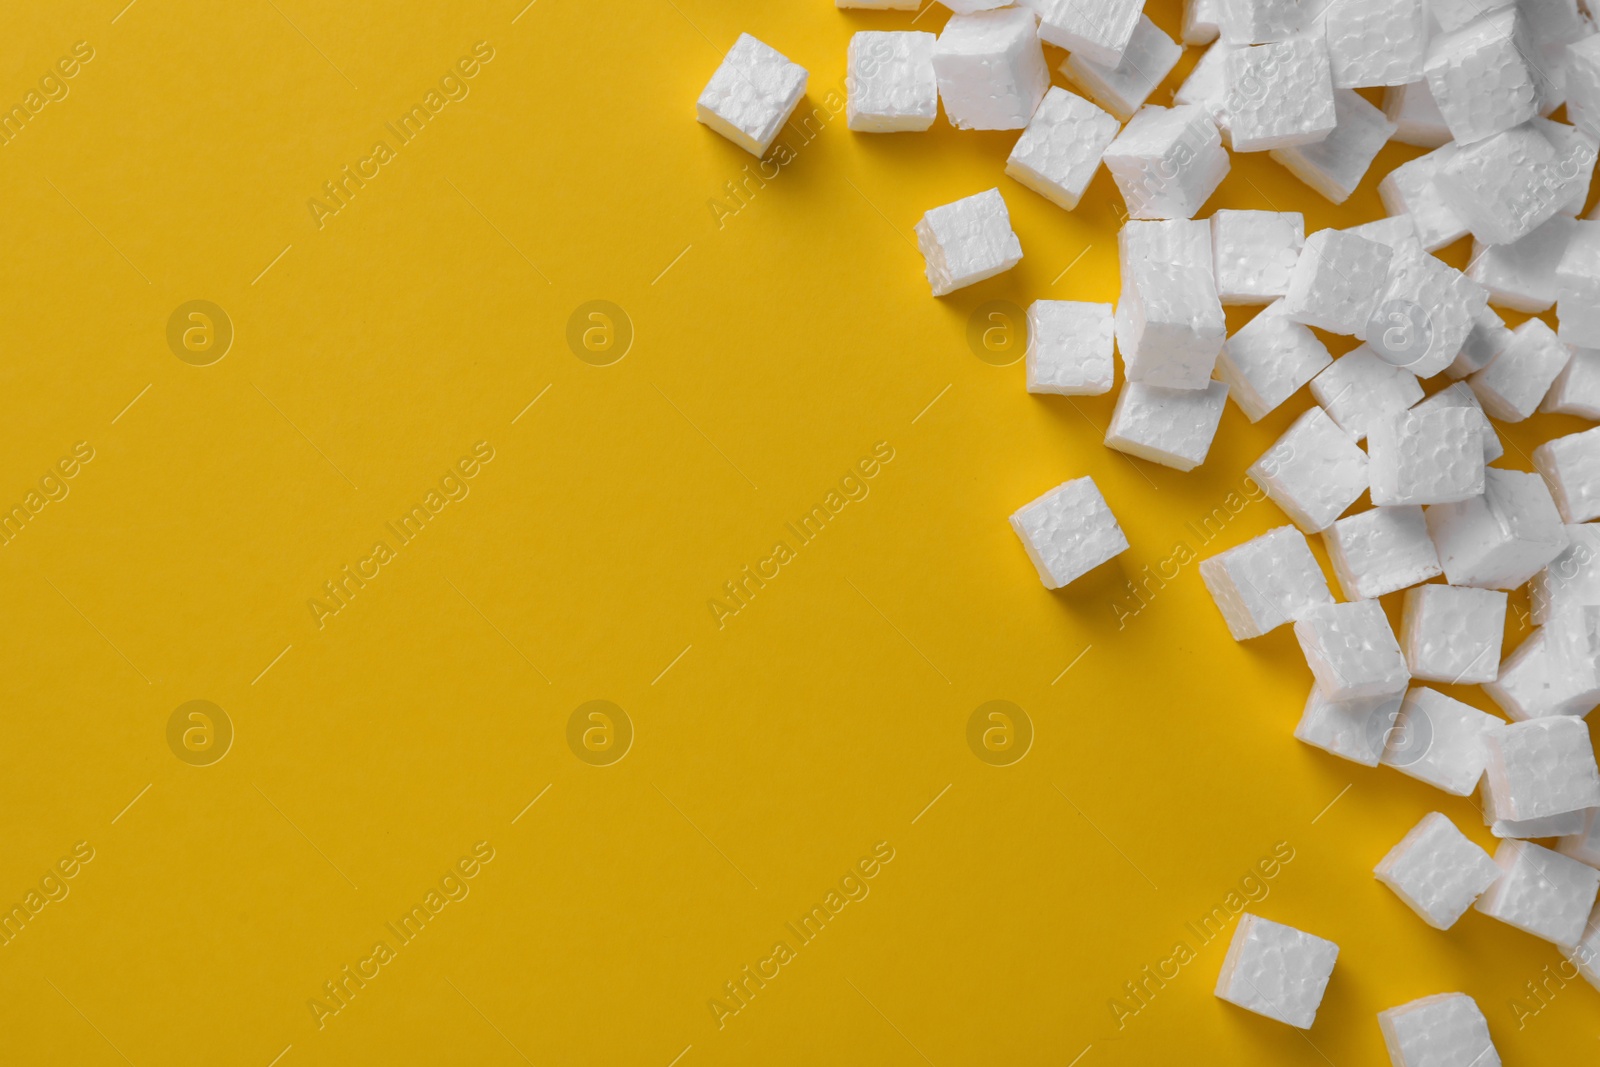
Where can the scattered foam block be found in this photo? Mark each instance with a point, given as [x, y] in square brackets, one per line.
[1500, 539]
[1376, 42]
[1058, 153]
[1352, 651]
[1097, 29]
[1425, 457]
[1070, 348]
[1202, 21]
[1438, 1031]
[1522, 275]
[1572, 580]
[1359, 389]
[967, 241]
[1571, 468]
[1172, 427]
[1068, 532]
[1170, 325]
[1123, 87]
[1425, 313]
[1381, 551]
[1512, 387]
[991, 69]
[1409, 190]
[1437, 871]
[1481, 76]
[1576, 390]
[1254, 253]
[1335, 164]
[1351, 729]
[1439, 740]
[1584, 846]
[1266, 582]
[1508, 185]
[1542, 767]
[1416, 115]
[891, 84]
[1267, 360]
[1276, 970]
[1459, 395]
[751, 95]
[1314, 472]
[1452, 634]
[1265, 21]
[1167, 161]
[1541, 679]
[1541, 892]
[1279, 94]
[1337, 281]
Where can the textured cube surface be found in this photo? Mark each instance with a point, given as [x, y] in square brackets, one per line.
[1376, 42]
[1058, 153]
[1352, 651]
[1409, 189]
[1172, 427]
[1123, 87]
[1255, 252]
[1425, 457]
[1416, 115]
[1267, 360]
[1444, 1030]
[1261, 21]
[891, 82]
[1437, 871]
[1488, 338]
[1096, 29]
[1576, 390]
[1571, 468]
[1337, 281]
[1266, 582]
[1500, 539]
[1070, 348]
[1583, 84]
[1359, 389]
[1276, 970]
[1584, 846]
[1541, 679]
[1381, 550]
[991, 69]
[1279, 94]
[1354, 729]
[1167, 161]
[1522, 275]
[1513, 385]
[1452, 634]
[1572, 580]
[1541, 892]
[1439, 740]
[1314, 472]
[1207, 87]
[751, 95]
[1542, 767]
[967, 241]
[1068, 531]
[1335, 164]
[1482, 78]
[1508, 185]
[1460, 395]
[1425, 313]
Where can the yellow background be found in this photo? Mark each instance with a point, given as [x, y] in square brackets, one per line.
[773, 348]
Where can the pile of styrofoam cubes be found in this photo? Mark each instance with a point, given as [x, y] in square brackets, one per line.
[1473, 82]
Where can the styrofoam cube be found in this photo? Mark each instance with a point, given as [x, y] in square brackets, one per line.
[1437, 871]
[1068, 532]
[1255, 252]
[1123, 87]
[1267, 360]
[1417, 118]
[891, 85]
[1170, 325]
[1354, 729]
[1482, 78]
[1425, 313]
[1314, 472]
[1522, 275]
[1070, 346]
[1352, 651]
[1579, 151]
[1583, 84]
[1514, 384]
[1264, 21]
[1584, 845]
[1508, 185]
[1207, 87]
[1576, 390]
[1202, 21]
[1572, 579]
[1425, 457]
[1542, 679]
[1439, 740]
[1172, 427]
[1459, 395]
[1279, 94]
[1376, 42]
[991, 69]
[1381, 551]
[751, 95]
[1502, 538]
[1167, 161]
[1578, 286]
[1335, 164]
[1409, 189]
[1266, 582]
[1488, 338]
[1276, 970]
[968, 7]
[1359, 389]
[1058, 153]
[1541, 892]
[1452, 634]
[1438, 1031]
[1097, 29]
[1571, 468]
[967, 241]
[1337, 282]
[1542, 767]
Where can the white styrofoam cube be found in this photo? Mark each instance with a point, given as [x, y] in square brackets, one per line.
[1379, 551]
[1314, 472]
[1409, 190]
[1579, 151]
[1202, 20]
[1267, 360]
[1439, 740]
[1512, 386]
[1508, 185]
[1425, 457]
[1459, 395]
[1335, 164]
[1167, 161]
[1437, 871]
[1359, 389]
[1354, 729]
[1572, 579]
[1522, 275]
[1097, 29]
[1264, 21]
[1482, 78]
[967, 241]
[1266, 582]
[1276, 970]
[1391, 230]
[1578, 286]
[1058, 153]
[1571, 468]
[1070, 345]
[1170, 324]
[1541, 679]
[1376, 42]
[891, 86]
[1417, 118]
[1352, 651]
[1425, 313]
[1576, 390]
[1584, 845]
[1255, 252]
[1502, 538]
[1541, 892]
[1583, 84]
[1123, 87]
[1172, 427]
[1337, 281]
[1279, 94]
[1452, 634]
[968, 7]
[751, 95]
[1207, 87]
[1541, 767]
[1068, 531]
[991, 69]
[1438, 1031]
[1486, 340]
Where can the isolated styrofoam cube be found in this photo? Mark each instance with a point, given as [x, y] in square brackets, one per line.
[1376, 42]
[1359, 389]
[1572, 579]
[1355, 729]
[1070, 348]
[1172, 427]
[1571, 468]
[1437, 871]
[1314, 472]
[1337, 281]
[1584, 846]
[1068, 531]
[891, 85]
[1576, 390]
[751, 95]
[1380, 551]
[1583, 84]
[1352, 651]
[1276, 970]
[1264, 21]
[1425, 457]
[1502, 538]
[1267, 360]
[1334, 164]
[1541, 892]
[1391, 230]
[1266, 582]
[1542, 767]
[1058, 153]
[1167, 161]
[1542, 679]
[1452, 634]
[1514, 384]
[1439, 740]
[1202, 20]
[1255, 252]
[1170, 325]
[1488, 338]
[1417, 118]
[1522, 275]
[967, 241]
[991, 69]
[1097, 29]
[1279, 94]
[1508, 185]
[1438, 1031]
[1460, 395]
[1578, 286]
[1425, 313]
[1207, 87]
[1482, 77]
[1123, 87]
[1409, 189]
